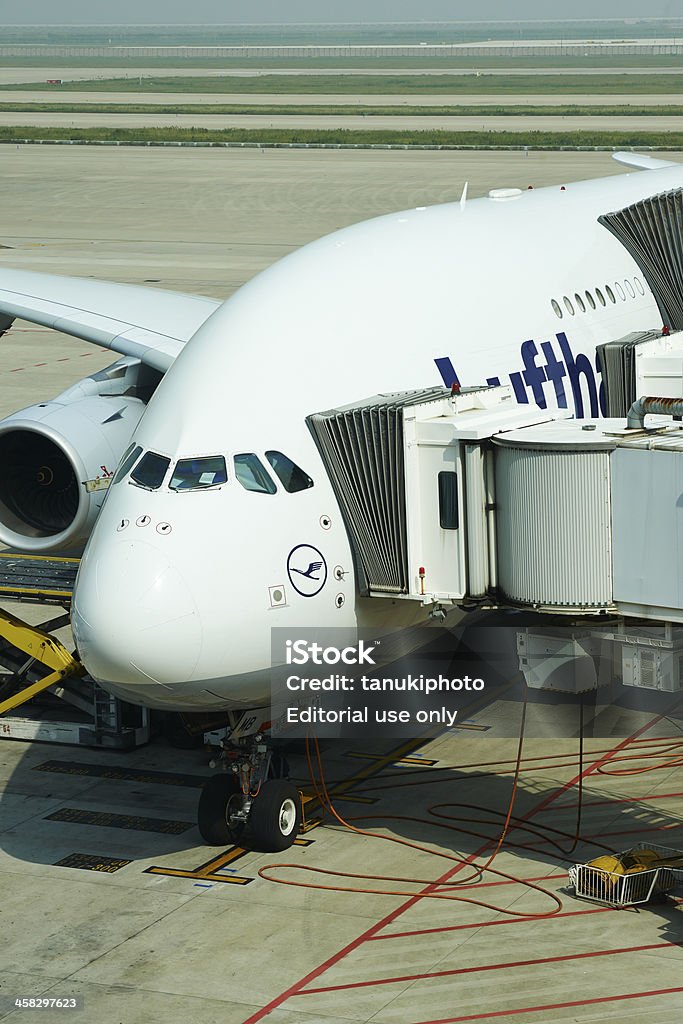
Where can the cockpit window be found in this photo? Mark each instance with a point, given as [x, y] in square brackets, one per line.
[131, 456]
[150, 470]
[194, 473]
[253, 475]
[291, 476]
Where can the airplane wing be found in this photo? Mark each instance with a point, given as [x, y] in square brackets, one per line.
[147, 323]
[642, 161]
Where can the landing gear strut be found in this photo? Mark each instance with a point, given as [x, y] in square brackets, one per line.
[251, 801]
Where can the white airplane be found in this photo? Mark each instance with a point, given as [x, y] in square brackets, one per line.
[220, 520]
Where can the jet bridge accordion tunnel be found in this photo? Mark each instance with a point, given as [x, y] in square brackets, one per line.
[651, 230]
[452, 499]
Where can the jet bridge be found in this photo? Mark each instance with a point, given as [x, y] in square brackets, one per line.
[469, 499]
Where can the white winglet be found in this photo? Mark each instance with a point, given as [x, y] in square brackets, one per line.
[642, 161]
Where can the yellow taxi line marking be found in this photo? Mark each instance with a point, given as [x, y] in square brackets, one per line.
[201, 876]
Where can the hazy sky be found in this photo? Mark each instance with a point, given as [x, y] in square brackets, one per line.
[68, 12]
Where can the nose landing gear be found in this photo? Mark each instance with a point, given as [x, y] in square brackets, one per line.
[251, 801]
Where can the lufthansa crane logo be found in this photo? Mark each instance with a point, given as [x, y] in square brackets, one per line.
[307, 570]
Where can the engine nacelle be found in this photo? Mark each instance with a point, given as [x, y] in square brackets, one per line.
[50, 452]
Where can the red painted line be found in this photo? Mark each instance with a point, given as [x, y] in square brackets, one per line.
[624, 800]
[643, 830]
[505, 881]
[488, 924]
[404, 907]
[489, 967]
[498, 923]
[555, 1006]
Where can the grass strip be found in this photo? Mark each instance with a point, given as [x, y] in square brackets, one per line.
[343, 110]
[342, 136]
[618, 84]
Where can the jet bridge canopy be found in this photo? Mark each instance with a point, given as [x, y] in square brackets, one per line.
[363, 449]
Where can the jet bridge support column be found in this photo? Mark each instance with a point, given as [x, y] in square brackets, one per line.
[491, 519]
[477, 527]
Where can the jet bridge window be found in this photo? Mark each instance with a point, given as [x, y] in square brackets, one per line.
[448, 501]
[150, 471]
[253, 475]
[127, 462]
[192, 474]
[291, 476]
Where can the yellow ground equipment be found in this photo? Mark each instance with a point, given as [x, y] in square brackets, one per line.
[39, 648]
[634, 876]
[45, 693]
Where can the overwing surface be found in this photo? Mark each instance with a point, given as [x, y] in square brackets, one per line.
[149, 324]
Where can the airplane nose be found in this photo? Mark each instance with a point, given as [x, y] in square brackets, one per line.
[134, 619]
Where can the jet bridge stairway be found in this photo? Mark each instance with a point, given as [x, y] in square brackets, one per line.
[45, 693]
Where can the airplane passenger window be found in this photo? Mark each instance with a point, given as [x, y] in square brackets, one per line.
[591, 300]
[580, 303]
[620, 291]
[629, 288]
[601, 297]
[568, 305]
[191, 474]
[252, 474]
[291, 476]
[448, 501]
[557, 308]
[639, 285]
[610, 293]
[150, 470]
[131, 456]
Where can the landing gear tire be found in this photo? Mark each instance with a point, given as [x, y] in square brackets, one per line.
[275, 816]
[220, 795]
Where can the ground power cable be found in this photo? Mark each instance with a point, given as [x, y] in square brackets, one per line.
[270, 871]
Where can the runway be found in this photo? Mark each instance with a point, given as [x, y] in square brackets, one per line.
[342, 99]
[109, 894]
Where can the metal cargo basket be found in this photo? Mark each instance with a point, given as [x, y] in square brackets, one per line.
[634, 876]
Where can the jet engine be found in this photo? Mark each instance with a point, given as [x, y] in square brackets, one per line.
[55, 457]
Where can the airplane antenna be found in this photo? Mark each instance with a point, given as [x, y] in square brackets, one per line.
[463, 197]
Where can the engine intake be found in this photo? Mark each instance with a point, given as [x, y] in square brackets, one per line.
[39, 491]
[47, 454]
